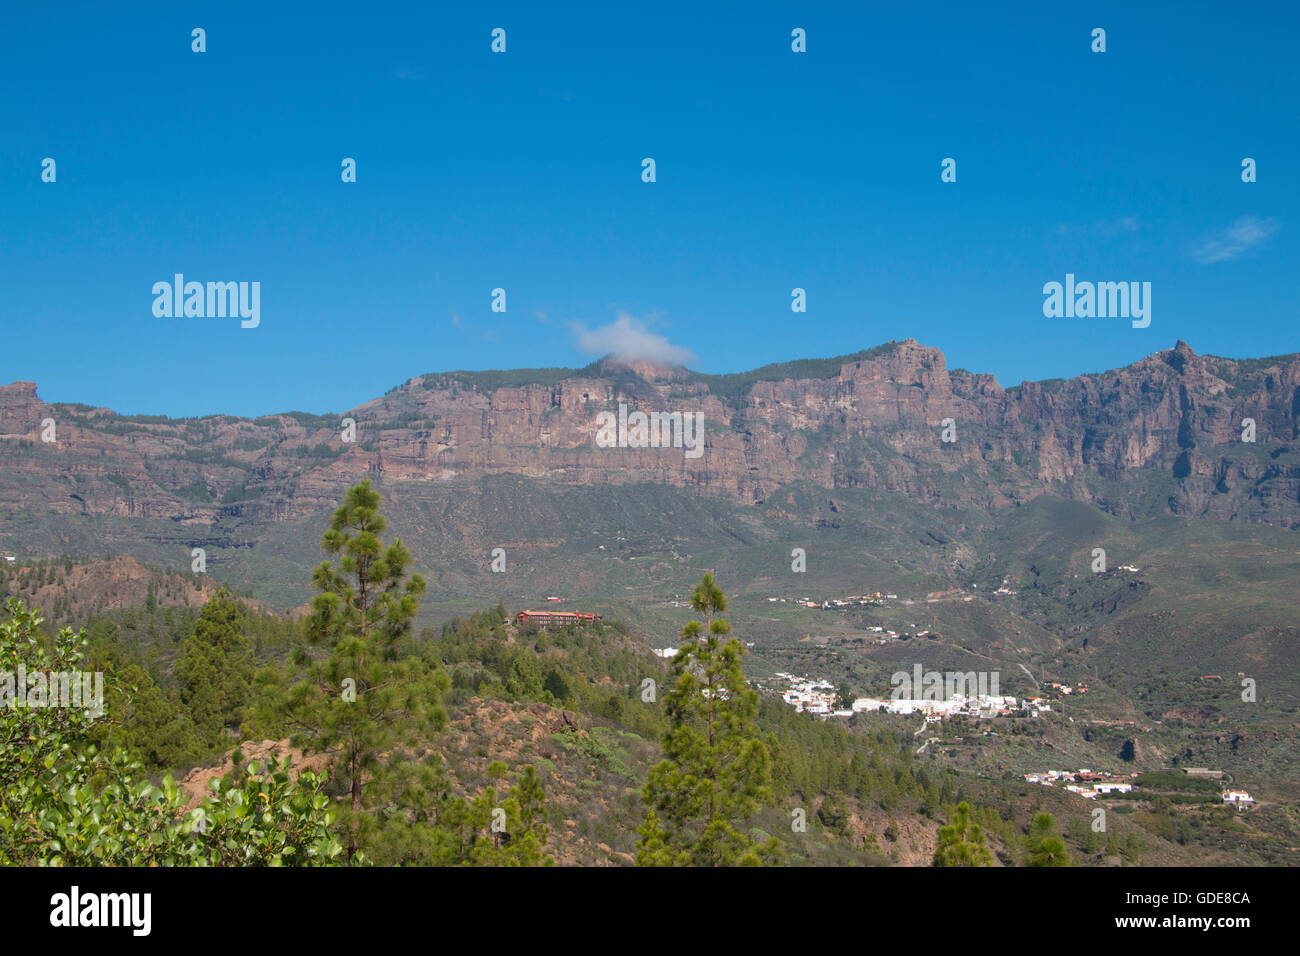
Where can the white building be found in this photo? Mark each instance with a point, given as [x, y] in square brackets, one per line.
[1112, 787]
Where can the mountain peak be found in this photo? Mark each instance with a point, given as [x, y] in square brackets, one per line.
[1178, 356]
[645, 368]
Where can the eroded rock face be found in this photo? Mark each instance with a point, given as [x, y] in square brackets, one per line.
[1173, 417]
[20, 410]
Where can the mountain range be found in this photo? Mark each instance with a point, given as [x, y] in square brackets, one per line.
[1162, 436]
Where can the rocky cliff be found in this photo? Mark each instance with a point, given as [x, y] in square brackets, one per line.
[1162, 435]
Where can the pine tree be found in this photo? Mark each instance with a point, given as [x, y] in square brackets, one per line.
[215, 670]
[155, 728]
[1046, 848]
[717, 771]
[961, 843]
[362, 699]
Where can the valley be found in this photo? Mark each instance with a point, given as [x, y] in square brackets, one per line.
[853, 544]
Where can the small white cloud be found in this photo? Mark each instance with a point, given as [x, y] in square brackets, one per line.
[628, 339]
[1245, 234]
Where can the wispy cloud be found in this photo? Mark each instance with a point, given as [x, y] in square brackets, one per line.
[628, 339]
[1117, 227]
[1106, 228]
[1245, 234]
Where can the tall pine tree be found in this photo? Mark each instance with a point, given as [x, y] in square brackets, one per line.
[215, 670]
[717, 771]
[363, 700]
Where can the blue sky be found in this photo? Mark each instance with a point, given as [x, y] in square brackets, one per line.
[522, 170]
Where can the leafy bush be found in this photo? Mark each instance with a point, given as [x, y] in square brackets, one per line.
[67, 799]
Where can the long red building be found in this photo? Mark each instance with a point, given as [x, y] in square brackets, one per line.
[557, 617]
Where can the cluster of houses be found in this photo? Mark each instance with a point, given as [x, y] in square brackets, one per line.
[1086, 783]
[875, 598]
[811, 696]
[1037, 705]
[984, 706]
[1090, 784]
[1065, 689]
